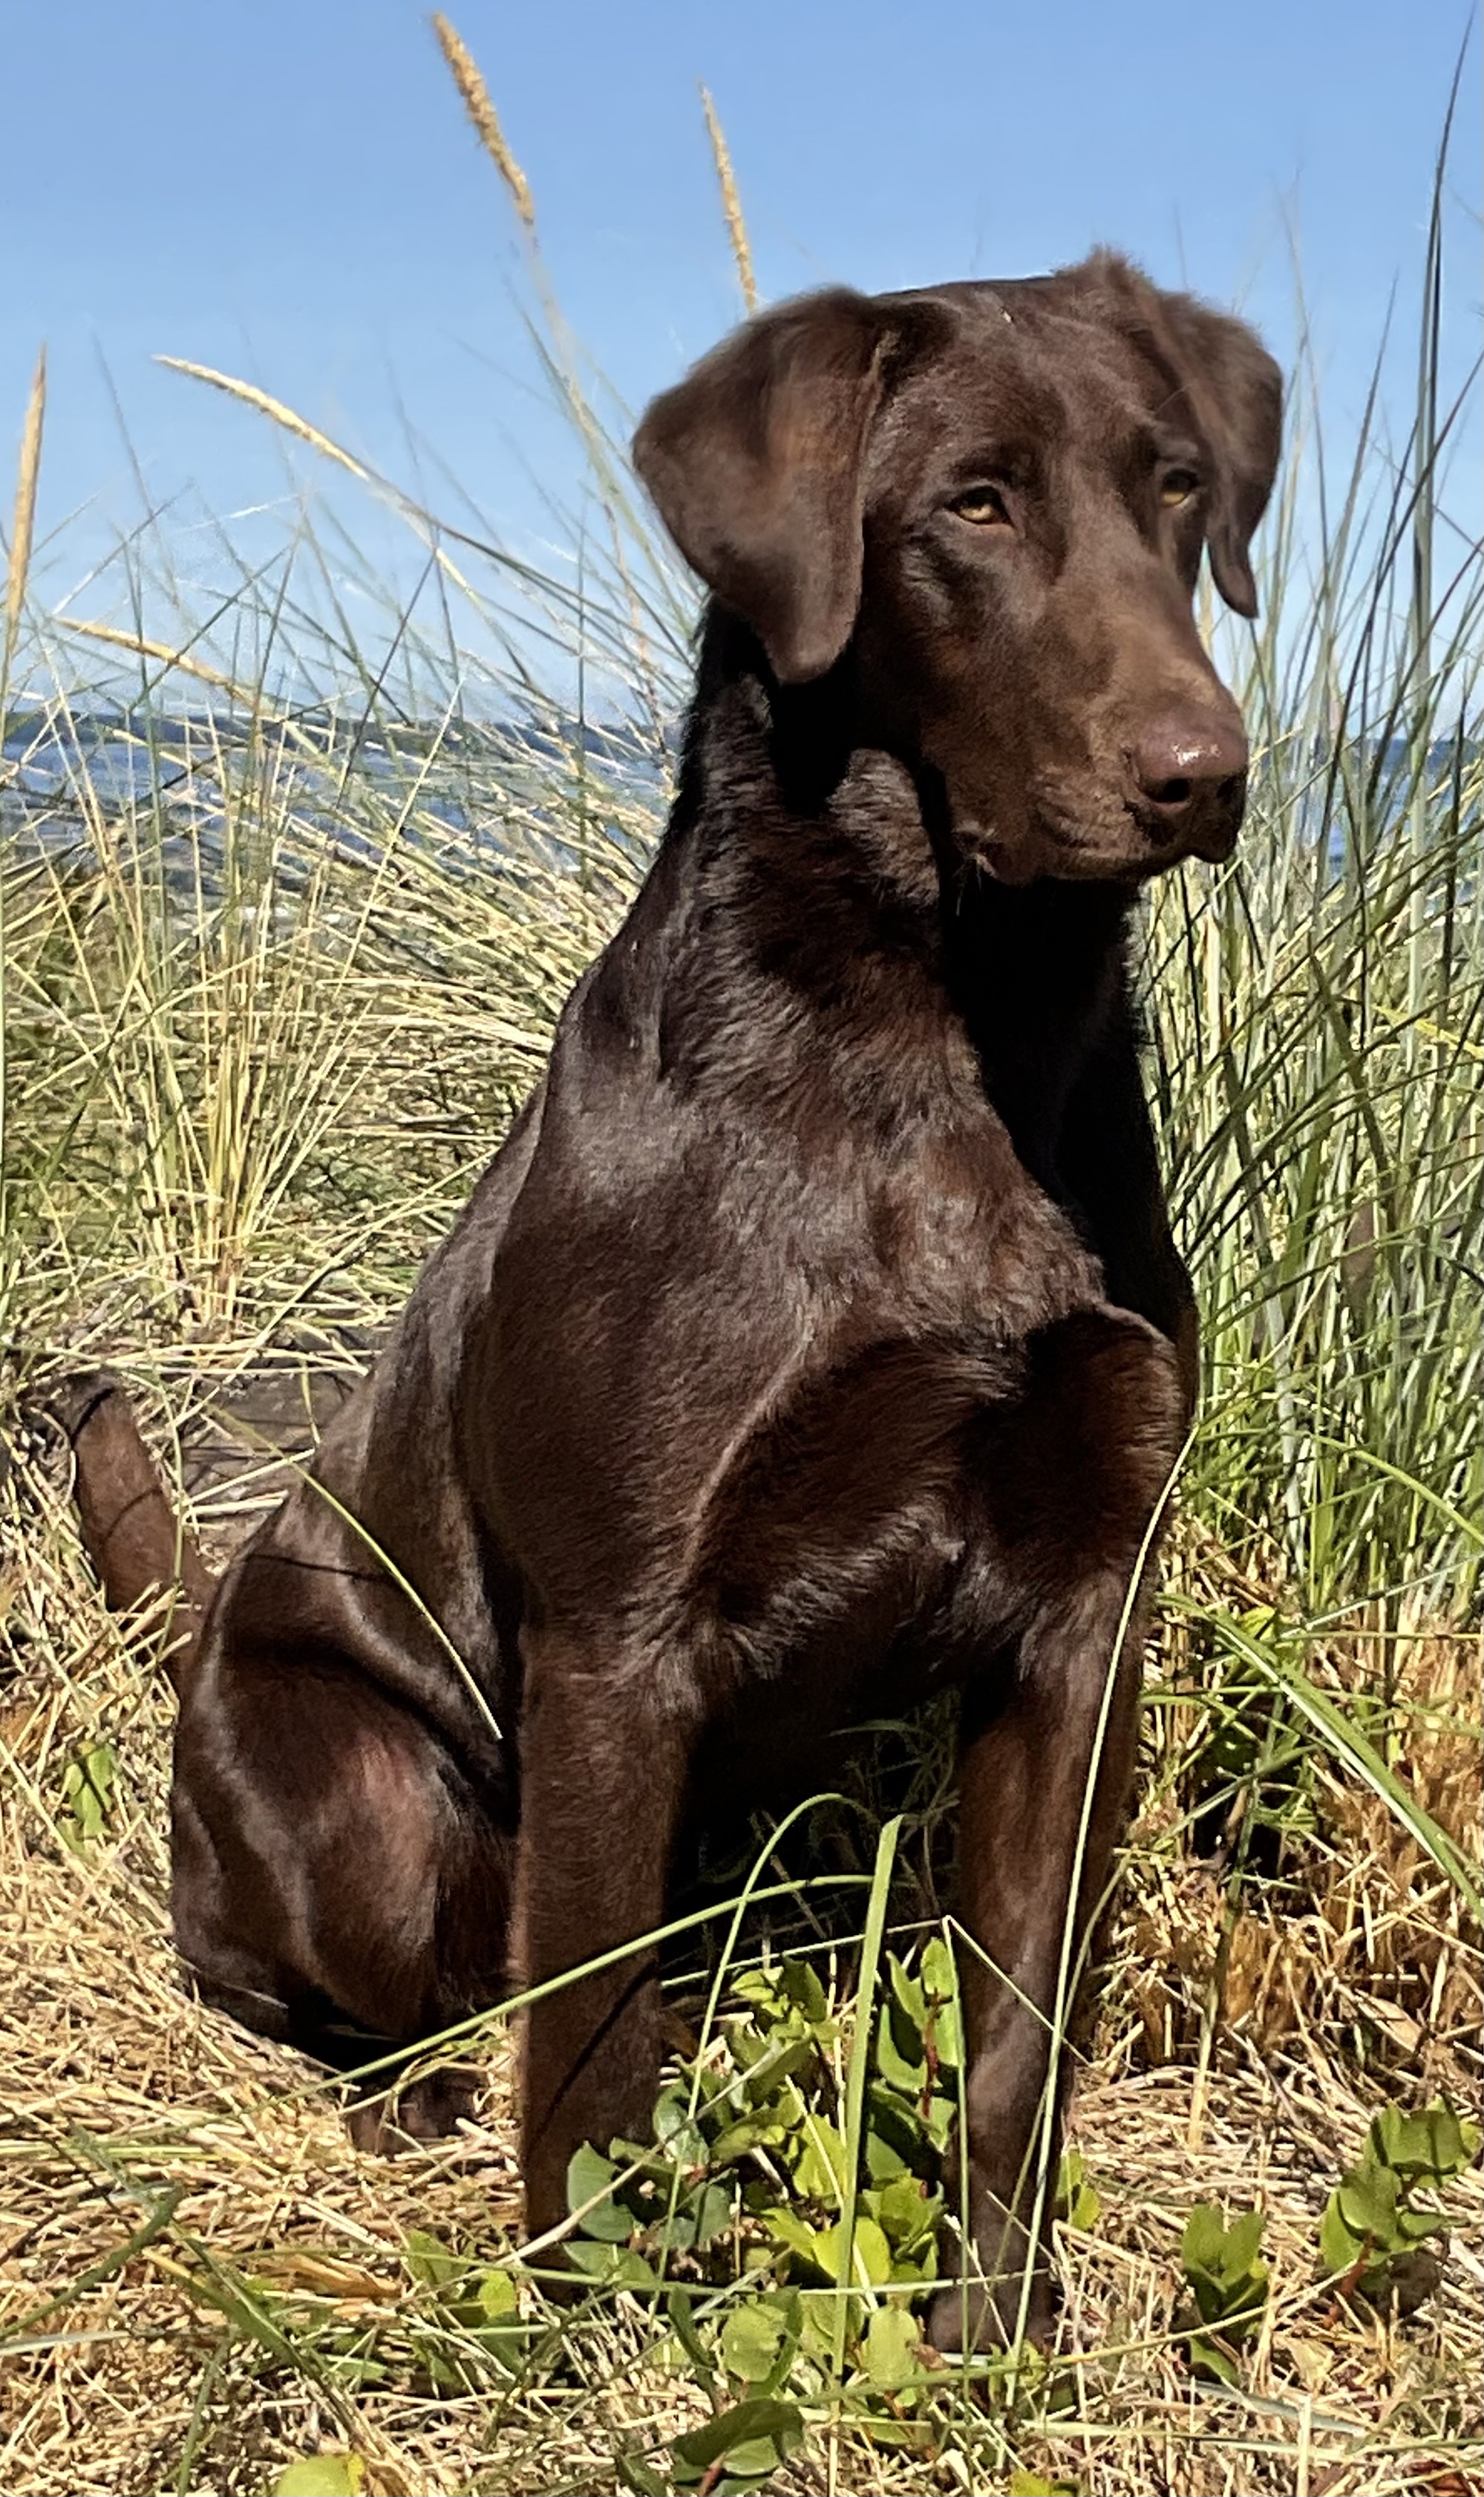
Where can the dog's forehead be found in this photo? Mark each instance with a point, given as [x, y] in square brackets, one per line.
[1020, 325]
[1037, 357]
[1057, 307]
[998, 298]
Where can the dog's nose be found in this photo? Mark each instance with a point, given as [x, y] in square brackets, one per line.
[1184, 761]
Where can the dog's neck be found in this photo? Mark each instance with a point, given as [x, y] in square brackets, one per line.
[844, 902]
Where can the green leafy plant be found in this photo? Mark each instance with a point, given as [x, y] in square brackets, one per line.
[750, 2177]
[322, 2475]
[474, 2313]
[1077, 2202]
[1373, 2234]
[1229, 2278]
[87, 1796]
[750, 2442]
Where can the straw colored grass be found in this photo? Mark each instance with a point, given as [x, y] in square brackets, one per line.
[273, 976]
[23, 524]
[731, 203]
[124, 2105]
[469, 80]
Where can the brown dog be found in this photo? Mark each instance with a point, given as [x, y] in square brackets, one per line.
[817, 1338]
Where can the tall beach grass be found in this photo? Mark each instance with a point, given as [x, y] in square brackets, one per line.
[289, 905]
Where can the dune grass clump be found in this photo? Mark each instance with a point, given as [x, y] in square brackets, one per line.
[290, 905]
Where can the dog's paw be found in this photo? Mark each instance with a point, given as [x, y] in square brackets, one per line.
[419, 2111]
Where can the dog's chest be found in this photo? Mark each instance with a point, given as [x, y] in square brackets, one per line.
[960, 1238]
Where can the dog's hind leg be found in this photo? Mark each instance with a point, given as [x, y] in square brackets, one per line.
[335, 1882]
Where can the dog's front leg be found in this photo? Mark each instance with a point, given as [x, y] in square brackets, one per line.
[603, 1768]
[1027, 1763]
[1048, 1756]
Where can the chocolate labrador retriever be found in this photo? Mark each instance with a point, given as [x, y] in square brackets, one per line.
[817, 1339]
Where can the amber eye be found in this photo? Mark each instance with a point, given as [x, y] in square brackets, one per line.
[984, 506]
[1177, 486]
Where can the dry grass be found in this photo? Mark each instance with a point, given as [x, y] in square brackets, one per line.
[22, 527]
[469, 80]
[260, 1023]
[731, 203]
[1350, 1941]
[192, 2254]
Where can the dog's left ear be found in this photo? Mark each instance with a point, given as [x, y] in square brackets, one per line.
[1235, 391]
[756, 463]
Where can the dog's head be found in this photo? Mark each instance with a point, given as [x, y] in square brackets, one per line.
[994, 498]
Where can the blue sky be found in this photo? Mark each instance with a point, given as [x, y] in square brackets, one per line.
[288, 189]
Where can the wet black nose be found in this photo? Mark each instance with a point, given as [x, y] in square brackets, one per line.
[1187, 765]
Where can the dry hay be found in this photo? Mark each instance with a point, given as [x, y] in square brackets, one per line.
[1359, 1943]
[155, 2163]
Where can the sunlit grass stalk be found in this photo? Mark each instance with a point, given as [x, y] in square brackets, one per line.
[18, 571]
[469, 80]
[731, 203]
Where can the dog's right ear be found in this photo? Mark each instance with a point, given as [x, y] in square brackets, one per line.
[756, 464]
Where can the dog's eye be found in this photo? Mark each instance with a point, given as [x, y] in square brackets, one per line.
[984, 506]
[1177, 487]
